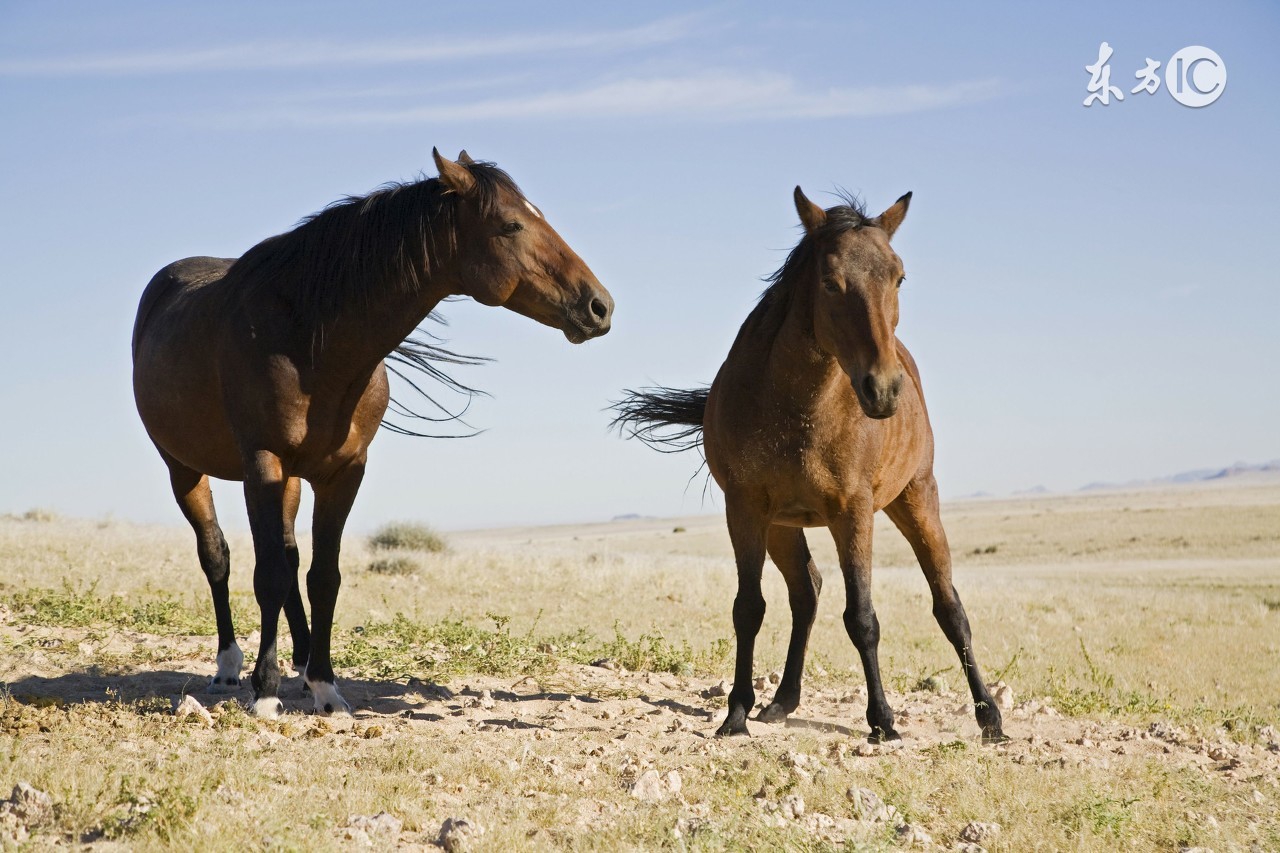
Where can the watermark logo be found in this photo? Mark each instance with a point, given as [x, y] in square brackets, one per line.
[1194, 76]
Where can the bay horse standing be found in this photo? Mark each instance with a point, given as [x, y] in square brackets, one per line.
[817, 419]
[270, 369]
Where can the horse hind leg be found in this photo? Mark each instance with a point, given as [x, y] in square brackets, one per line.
[747, 530]
[334, 499]
[191, 489]
[790, 553]
[915, 512]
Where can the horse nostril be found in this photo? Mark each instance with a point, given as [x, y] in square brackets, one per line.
[869, 389]
[599, 309]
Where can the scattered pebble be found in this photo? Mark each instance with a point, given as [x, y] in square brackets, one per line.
[189, 706]
[28, 806]
[913, 835]
[775, 677]
[377, 824]
[723, 688]
[979, 833]
[648, 787]
[791, 806]
[458, 834]
[1003, 696]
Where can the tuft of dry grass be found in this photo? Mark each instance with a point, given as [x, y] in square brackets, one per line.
[408, 536]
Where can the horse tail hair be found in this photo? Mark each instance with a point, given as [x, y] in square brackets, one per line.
[667, 419]
[423, 355]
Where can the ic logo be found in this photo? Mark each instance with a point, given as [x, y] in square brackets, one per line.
[1195, 76]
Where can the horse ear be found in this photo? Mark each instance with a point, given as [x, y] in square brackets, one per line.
[811, 216]
[892, 218]
[464, 158]
[452, 175]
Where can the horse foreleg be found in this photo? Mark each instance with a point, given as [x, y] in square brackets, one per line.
[294, 613]
[747, 528]
[334, 498]
[790, 553]
[916, 514]
[852, 533]
[264, 488]
[191, 489]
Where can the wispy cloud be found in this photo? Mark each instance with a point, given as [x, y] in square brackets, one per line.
[280, 55]
[716, 95]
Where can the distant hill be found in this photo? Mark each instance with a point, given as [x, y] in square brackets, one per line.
[1200, 475]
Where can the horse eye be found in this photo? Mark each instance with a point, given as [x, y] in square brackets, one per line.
[830, 285]
[511, 227]
[901, 280]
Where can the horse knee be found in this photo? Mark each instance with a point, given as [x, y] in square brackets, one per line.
[862, 625]
[748, 614]
[215, 559]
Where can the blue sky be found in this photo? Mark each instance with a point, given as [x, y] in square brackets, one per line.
[1091, 291]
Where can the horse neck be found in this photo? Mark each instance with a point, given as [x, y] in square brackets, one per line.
[362, 337]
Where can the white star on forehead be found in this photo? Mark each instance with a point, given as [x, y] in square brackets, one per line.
[532, 209]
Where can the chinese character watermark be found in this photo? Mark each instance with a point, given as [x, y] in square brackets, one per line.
[1100, 79]
[1194, 76]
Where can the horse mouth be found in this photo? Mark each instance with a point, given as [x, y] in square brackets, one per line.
[577, 332]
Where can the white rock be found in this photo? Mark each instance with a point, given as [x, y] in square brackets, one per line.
[458, 834]
[913, 835]
[379, 823]
[190, 706]
[29, 805]
[867, 805]
[648, 787]
[1003, 696]
[791, 806]
[673, 782]
[979, 833]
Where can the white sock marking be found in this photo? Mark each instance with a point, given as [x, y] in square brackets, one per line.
[230, 662]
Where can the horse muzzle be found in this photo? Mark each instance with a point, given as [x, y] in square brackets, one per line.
[877, 395]
[590, 318]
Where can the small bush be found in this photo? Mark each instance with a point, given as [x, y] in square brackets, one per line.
[408, 536]
[39, 514]
[394, 566]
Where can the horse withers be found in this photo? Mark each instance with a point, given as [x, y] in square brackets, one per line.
[817, 419]
[270, 369]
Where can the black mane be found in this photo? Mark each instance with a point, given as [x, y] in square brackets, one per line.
[772, 307]
[389, 240]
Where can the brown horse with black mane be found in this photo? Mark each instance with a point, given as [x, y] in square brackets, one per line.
[271, 369]
[817, 419]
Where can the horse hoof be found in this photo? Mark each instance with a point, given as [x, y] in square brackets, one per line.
[991, 737]
[267, 708]
[328, 700]
[883, 736]
[736, 724]
[774, 713]
[223, 684]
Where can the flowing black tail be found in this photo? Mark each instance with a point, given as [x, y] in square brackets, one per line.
[667, 419]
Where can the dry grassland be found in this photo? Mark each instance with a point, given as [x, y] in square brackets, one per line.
[557, 688]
